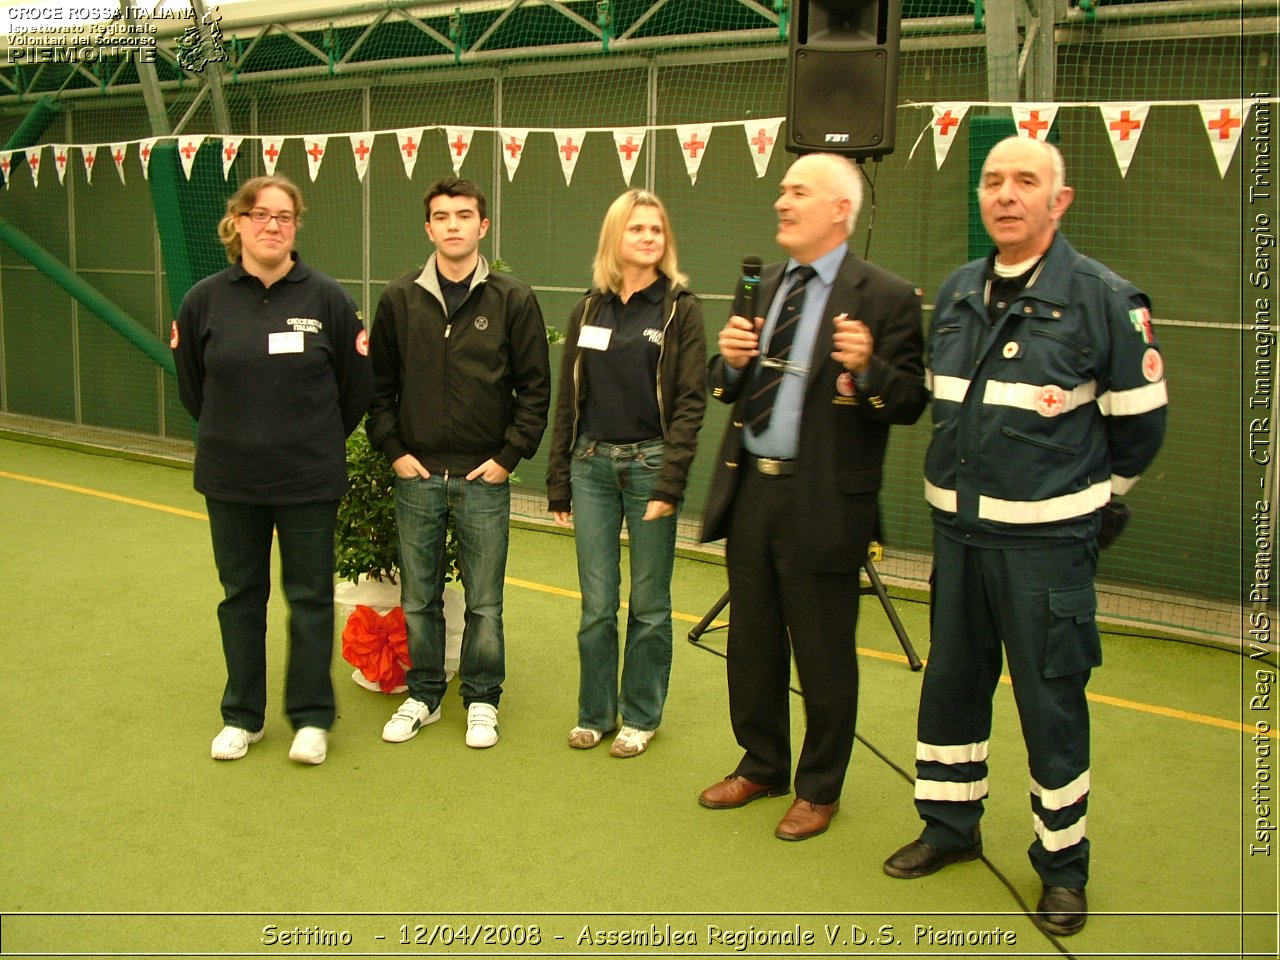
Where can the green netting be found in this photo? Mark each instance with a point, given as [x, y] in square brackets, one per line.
[716, 70]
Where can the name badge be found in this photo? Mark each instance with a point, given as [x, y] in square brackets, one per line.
[594, 338]
[288, 342]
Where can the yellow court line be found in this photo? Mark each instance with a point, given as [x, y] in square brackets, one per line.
[1134, 705]
[103, 495]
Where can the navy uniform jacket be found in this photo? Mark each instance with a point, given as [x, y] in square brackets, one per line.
[1042, 416]
[844, 432]
[276, 379]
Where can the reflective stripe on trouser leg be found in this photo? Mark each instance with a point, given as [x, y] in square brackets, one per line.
[954, 722]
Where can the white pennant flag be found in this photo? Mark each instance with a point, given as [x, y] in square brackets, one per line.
[90, 155]
[271, 154]
[188, 147]
[693, 144]
[459, 142]
[33, 161]
[1223, 121]
[230, 150]
[315, 153]
[1034, 120]
[946, 121]
[761, 137]
[118, 152]
[410, 140]
[6, 165]
[145, 149]
[1126, 123]
[628, 142]
[361, 147]
[61, 157]
[569, 148]
[512, 149]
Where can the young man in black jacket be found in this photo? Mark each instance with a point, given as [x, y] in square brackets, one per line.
[461, 391]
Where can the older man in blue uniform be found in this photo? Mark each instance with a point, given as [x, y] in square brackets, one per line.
[1049, 400]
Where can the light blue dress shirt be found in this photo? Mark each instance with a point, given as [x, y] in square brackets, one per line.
[781, 438]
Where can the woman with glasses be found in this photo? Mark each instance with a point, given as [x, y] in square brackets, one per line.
[273, 364]
[632, 394]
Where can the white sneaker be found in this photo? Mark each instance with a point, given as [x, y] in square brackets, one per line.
[408, 720]
[232, 743]
[482, 725]
[631, 742]
[310, 745]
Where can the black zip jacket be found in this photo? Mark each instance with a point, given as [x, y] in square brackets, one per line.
[457, 391]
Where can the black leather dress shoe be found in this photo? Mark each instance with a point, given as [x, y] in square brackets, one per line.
[919, 859]
[1061, 910]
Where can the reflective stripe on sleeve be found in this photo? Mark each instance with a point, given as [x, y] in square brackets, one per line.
[958, 753]
[1128, 403]
[1026, 396]
[1122, 485]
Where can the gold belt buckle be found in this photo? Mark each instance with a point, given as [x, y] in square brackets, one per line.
[769, 467]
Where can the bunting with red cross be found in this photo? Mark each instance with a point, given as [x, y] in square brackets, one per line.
[410, 142]
[628, 141]
[1123, 122]
[119, 151]
[230, 150]
[361, 150]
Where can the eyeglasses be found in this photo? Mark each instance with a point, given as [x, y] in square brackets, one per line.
[263, 216]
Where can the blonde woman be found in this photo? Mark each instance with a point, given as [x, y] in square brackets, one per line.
[632, 395]
[273, 365]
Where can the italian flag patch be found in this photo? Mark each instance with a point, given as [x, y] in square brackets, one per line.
[1140, 317]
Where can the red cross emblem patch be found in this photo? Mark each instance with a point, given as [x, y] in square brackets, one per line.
[1153, 365]
[362, 343]
[1051, 401]
[173, 336]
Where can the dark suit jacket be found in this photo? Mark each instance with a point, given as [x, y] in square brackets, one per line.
[844, 431]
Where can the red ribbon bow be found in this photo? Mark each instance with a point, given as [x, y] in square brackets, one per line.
[377, 646]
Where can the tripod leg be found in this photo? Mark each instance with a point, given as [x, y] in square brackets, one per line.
[711, 614]
[892, 614]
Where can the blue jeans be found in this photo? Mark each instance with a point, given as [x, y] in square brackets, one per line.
[241, 534]
[481, 514]
[612, 482]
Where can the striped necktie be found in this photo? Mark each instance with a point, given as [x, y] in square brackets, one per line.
[773, 365]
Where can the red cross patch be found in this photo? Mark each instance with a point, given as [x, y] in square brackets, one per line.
[362, 343]
[1153, 365]
[1051, 401]
[173, 336]
[844, 384]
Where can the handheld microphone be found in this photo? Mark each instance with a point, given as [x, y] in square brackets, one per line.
[744, 295]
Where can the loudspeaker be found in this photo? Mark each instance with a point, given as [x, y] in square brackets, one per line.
[842, 76]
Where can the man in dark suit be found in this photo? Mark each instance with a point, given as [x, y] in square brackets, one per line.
[815, 384]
